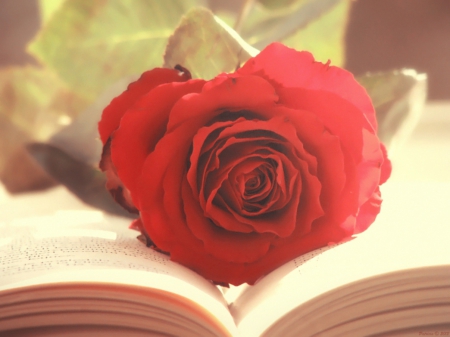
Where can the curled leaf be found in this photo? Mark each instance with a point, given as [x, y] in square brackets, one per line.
[206, 46]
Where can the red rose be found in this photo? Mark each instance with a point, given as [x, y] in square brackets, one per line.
[235, 176]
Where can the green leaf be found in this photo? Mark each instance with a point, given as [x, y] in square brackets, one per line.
[398, 98]
[264, 25]
[206, 46]
[91, 44]
[48, 7]
[83, 180]
[277, 4]
[324, 37]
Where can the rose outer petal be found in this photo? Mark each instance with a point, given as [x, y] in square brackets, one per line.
[113, 113]
[113, 183]
[141, 128]
[194, 257]
[357, 137]
[386, 167]
[310, 75]
[226, 92]
[368, 212]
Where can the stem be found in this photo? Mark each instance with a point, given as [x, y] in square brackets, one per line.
[243, 13]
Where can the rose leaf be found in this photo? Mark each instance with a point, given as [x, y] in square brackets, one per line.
[18, 172]
[83, 180]
[398, 98]
[314, 25]
[206, 46]
[91, 44]
[324, 37]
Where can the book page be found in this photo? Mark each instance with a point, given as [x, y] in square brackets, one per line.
[412, 231]
[38, 246]
[85, 245]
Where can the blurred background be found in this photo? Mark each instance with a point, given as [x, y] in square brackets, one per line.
[381, 35]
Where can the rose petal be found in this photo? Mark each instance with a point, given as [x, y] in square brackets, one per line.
[276, 126]
[335, 169]
[368, 212]
[339, 117]
[220, 94]
[222, 244]
[235, 273]
[309, 74]
[370, 169]
[278, 219]
[244, 155]
[113, 183]
[386, 167]
[163, 208]
[198, 147]
[166, 164]
[259, 171]
[150, 79]
[142, 126]
[228, 216]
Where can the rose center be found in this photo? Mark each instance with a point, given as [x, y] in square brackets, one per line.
[254, 182]
[256, 186]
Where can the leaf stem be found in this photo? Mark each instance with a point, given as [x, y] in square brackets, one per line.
[243, 13]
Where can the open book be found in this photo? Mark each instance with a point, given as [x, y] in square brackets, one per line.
[78, 272]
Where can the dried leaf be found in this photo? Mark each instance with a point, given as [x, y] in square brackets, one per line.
[21, 173]
[34, 104]
[36, 101]
[83, 180]
[206, 46]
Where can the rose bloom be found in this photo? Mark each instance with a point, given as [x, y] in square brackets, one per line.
[235, 176]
